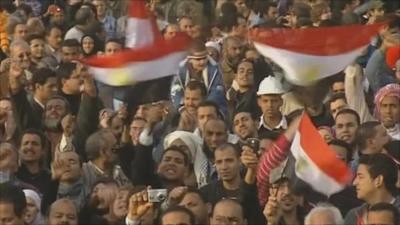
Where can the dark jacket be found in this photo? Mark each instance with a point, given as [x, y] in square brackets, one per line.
[41, 180]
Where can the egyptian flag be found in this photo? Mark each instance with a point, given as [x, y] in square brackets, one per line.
[316, 163]
[149, 56]
[311, 54]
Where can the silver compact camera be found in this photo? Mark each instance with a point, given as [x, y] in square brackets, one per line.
[157, 195]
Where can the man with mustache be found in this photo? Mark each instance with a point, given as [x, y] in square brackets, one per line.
[62, 212]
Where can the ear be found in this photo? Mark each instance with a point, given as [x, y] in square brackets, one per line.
[37, 86]
[378, 181]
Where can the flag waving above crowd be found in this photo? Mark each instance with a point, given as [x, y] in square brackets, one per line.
[310, 54]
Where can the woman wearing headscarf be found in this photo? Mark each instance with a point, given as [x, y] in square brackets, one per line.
[193, 145]
[387, 109]
[33, 201]
[90, 45]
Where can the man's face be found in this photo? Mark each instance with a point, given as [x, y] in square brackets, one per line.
[338, 87]
[72, 85]
[270, 104]
[7, 215]
[200, 62]
[176, 218]
[170, 31]
[63, 213]
[390, 111]
[58, 18]
[204, 114]
[69, 53]
[102, 197]
[136, 128]
[37, 48]
[346, 126]
[54, 39]
[172, 166]
[364, 183]
[194, 203]
[31, 149]
[227, 164]
[227, 213]
[380, 139]
[285, 197]
[48, 89]
[272, 13]
[233, 51]
[215, 134]
[21, 56]
[100, 7]
[192, 99]
[245, 75]
[244, 126]
[20, 31]
[186, 25]
[241, 6]
[112, 48]
[241, 29]
[54, 111]
[71, 166]
[380, 217]
[336, 106]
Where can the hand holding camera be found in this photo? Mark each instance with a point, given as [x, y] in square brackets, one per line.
[139, 205]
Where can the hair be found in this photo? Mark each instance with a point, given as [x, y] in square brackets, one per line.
[381, 164]
[364, 132]
[345, 145]
[217, 119]
[208, 103]
[20, 43]
[226, 200]
[82, 15]
[179, 209]
[51, 27]
[193, 190]
[138, 118]
[64, 71]
[196, 85]
[114, 40]
[34, 36]
[47, 213]
[70, 43]
[14, 195]
[336, 97]
[349, 111]
[41, 75]
[96, 142]
[197, 46]
[34, 132]
[179, 150]
[328, 208]
[227, 40]
[226, 146]
[383, 206]
[59, 97]
[244, 61]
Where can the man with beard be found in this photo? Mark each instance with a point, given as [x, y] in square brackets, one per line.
[283, 206]
[32, 154]
[231, 55]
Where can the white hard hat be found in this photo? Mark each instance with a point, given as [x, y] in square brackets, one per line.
[270, 85]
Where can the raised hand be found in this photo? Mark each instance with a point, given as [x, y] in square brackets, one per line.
[139, 206]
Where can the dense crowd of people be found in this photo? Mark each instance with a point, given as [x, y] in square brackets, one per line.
[215, 149]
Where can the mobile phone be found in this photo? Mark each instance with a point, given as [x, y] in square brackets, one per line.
[254, 144]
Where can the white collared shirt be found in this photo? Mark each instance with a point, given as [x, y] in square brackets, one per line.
[283, 124]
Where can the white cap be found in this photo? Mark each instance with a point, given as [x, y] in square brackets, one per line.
[213, 44]
[270, 85]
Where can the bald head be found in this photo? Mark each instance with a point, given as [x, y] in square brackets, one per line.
[63, 212]
[228, 211]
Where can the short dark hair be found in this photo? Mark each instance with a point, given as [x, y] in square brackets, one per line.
[196, 85]
[383, 206]
[244, 61]
[34, 36]
[179, 209]
[381, 164]
[209, 103]
[192, 190]
[349, 111]
[336, 97]
[115, 40]
[70, 43]
[225, 146]
[14, 195]
[41, 75]
[345, 145]
[179, 150]
[35, 132]
[364, 132]
[64, 71]
[51, 27]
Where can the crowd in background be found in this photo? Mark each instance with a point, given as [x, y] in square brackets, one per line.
[216, 149]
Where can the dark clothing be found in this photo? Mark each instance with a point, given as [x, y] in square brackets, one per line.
[40, 181]
[246, 101]
[28, 113]
[215, 191]
[74, 102]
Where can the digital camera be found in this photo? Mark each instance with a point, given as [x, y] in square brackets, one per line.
[157, 195]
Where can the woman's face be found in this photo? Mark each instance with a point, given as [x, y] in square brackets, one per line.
[37, 48]
[31, 211]
[87, 44]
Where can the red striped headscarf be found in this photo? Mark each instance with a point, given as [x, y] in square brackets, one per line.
[388, 90]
